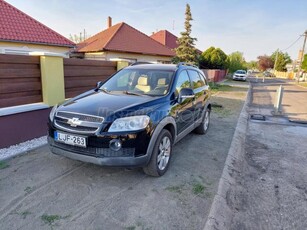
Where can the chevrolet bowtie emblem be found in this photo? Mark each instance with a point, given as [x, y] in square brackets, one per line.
[74, 122]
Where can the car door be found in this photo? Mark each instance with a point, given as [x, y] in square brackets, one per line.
[201, 92]
[183, 111]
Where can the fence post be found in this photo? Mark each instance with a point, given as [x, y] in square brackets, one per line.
[52, 76]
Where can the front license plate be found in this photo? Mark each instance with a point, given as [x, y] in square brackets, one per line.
[70, 139]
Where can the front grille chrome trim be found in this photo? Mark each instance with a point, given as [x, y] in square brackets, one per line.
[84, 123]
[74, 130]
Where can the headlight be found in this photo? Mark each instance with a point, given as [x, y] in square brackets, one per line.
[129, 123]
[52, 113]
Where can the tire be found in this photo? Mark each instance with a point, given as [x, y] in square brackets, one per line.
[163, 150]
[204, 125]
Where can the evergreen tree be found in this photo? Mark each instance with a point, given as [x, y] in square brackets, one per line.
[186, 51]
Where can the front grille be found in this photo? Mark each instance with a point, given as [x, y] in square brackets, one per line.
[81, 117]
[78, 123]
[96, 152]
[65, 126]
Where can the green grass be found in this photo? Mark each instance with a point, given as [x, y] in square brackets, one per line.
[175, 189]
[198, 189]
[25, 214]
[50, 219]
[217, 87]
[304, 84]
[131, 228]
[222, 112]
[28, 190]
[3, 165]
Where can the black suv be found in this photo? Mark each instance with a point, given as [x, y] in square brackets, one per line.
[134, 118]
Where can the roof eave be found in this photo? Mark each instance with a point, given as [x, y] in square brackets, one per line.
[37, 43]
[154, 54]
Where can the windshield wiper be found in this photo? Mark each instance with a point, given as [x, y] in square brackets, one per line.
[132, 93]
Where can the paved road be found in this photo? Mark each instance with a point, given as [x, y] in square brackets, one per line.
[271, 185]
[294, 101]
[43, 191]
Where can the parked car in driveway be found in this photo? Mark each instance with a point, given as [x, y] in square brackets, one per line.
[134, 118]
[239, 75]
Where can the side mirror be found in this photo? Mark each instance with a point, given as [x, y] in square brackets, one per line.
[186, 93]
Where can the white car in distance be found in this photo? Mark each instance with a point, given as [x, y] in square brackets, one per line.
[239, 75]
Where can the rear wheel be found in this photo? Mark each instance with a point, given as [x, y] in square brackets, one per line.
[204, 125]
[161, 155]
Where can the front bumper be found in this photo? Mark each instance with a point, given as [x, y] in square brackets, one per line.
[133, 151]
[126, 161]
[239, 78]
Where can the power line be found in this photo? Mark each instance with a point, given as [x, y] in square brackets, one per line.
[293, 43]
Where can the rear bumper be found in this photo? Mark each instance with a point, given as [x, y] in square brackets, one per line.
[126, 161]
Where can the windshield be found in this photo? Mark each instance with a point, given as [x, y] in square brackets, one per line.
[140, 82]
[241, 71]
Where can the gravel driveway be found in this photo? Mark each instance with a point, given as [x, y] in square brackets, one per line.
[39, 190]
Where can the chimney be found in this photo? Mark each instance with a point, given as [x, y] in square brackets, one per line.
[109, 22]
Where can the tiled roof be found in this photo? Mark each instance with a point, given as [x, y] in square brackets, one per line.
[17, 26]
[166, 38]
[124, 38]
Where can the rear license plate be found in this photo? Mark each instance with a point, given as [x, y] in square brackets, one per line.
[70, 139]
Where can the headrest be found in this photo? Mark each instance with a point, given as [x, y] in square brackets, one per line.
[162, 81]
[143, 80]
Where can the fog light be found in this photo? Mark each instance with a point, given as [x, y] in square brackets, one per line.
[115, 144]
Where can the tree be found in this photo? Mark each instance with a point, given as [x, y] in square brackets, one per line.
[186, 51]
[282, 60]
[265, 62]
[304, 63]
[236, 61]
[251, 65]
[213, 58]
[79, 38]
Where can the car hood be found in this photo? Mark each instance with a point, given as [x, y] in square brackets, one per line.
[108, 104]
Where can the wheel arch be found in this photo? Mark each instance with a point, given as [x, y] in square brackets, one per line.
[167, 123]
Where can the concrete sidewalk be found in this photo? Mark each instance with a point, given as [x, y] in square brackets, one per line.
[265, 185]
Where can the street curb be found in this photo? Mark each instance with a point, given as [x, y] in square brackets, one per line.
[220, 215]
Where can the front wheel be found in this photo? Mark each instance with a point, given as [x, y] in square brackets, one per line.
[204, 125]
[161, 155]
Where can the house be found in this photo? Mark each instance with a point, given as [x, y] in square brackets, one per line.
[165, 38]
[123, 42]
[21, 34]
[168, 39]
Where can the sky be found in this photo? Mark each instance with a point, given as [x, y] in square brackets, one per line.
[253, 27]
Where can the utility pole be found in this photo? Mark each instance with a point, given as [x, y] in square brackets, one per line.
[300, 63]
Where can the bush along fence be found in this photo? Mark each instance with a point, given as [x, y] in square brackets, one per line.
[31, 85]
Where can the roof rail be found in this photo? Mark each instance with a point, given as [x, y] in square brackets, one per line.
[140, 63]
[186, 64]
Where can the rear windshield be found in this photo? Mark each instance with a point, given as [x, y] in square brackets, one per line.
[140, 81]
